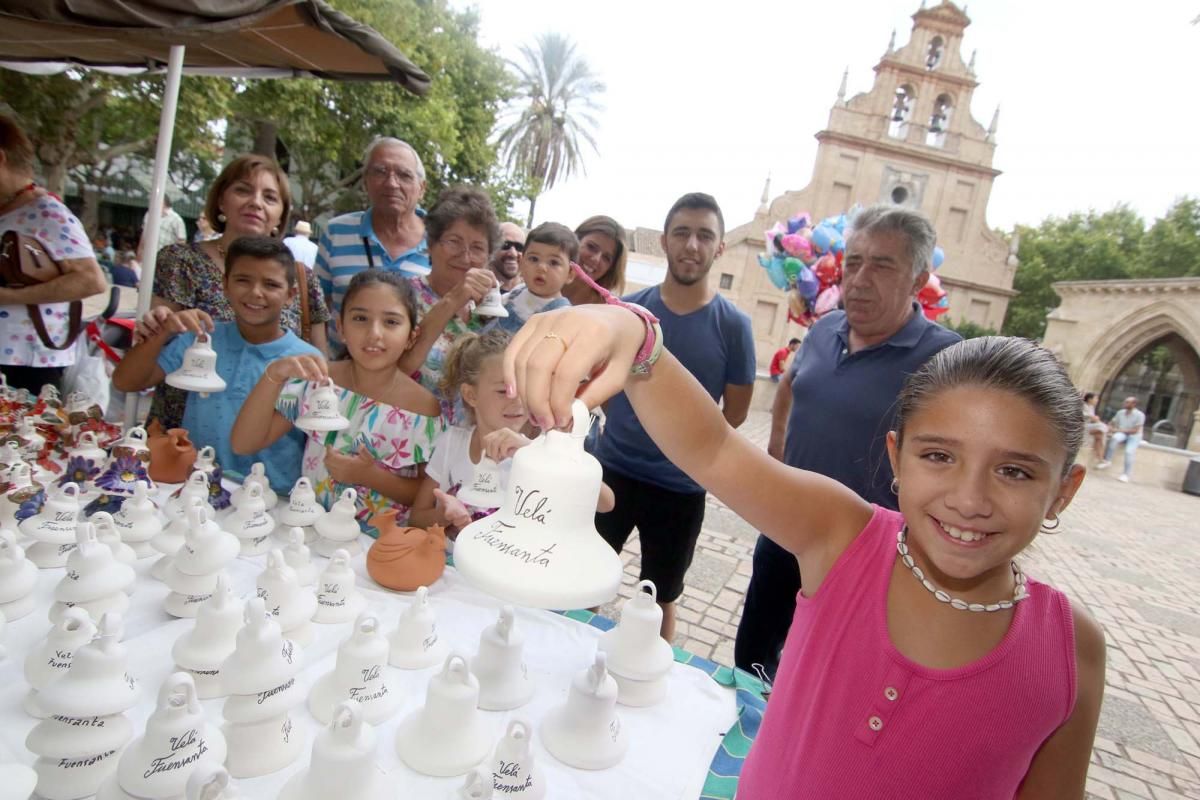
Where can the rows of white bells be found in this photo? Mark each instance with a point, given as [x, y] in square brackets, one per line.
[81, 688]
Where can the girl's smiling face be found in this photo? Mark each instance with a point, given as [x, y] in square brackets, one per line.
[375, 327]
[493, 409]
[979, 469]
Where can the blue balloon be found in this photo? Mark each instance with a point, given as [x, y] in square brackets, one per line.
[809, 285]
[794, 224]
[939, 255]
[775, 272]
[822, 238]
[839, 245]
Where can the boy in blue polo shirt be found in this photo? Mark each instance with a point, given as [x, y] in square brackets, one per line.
[260, 279]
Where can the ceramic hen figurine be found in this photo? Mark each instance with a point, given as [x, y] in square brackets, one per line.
[405, 558]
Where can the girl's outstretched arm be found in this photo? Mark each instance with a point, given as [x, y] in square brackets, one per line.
[807, 513]
[258, 424]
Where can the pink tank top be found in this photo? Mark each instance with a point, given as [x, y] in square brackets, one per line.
[850, 717]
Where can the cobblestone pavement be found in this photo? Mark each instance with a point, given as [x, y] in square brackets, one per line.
[1129, 553]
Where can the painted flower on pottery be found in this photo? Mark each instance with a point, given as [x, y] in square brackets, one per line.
[218, 495]
[121, 475]
[79, 470]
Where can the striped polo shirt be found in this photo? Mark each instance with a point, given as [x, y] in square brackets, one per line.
[342, 254]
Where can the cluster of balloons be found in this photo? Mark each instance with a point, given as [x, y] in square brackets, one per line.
[806, 261]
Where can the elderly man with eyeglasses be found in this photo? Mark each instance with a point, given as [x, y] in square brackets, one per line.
[388, 235]
[506, 262]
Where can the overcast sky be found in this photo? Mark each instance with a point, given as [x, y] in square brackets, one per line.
[1099, 100]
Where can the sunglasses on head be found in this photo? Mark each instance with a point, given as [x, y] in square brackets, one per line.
[509, 244]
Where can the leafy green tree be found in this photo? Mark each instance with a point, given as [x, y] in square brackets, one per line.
[1171, 248]
[969, 330]
[555, 115]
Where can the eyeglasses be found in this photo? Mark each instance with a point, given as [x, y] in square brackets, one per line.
[509, 244]
[475, 251]
[384, 174]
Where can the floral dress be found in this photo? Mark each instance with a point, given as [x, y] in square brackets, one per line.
[397, 440]
[185, 274]
[431, 370]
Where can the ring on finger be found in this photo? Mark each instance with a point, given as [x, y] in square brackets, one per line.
[556, 337]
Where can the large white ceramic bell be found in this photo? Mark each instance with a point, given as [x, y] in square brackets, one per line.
[53, 527]
[198, 372]
[291, 604]
[415, 643]
[323, 412]
[78, 738]
[169, 540]
[201, 650]
[359, 675]
[338, 598]
[98, 681]
[137, 522]
[18, 575]
[302, 509]
[492, 305]
[339, 529]
[177, 741]
[639, 659]
[51, 659]
[476, 786]
[343, 762]
[251, 523]
[500, 665]
[195, 488]
[257, 475]
[108, 535]
[586, 733]
[94, 581]
[194, 570]
[513, 771]
[541, 548]
[485, 489]
[448, 735]
[260, 677]
[211, 783]
[299, 558]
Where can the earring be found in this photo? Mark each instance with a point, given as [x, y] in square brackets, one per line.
[896, 486]
[275, 231]
[221, 218]
[1055, 522]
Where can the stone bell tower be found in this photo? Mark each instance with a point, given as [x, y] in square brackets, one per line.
[909, 140]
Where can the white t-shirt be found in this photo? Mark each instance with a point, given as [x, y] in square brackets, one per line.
[451, 465]
[305, 250]
[1128, 420]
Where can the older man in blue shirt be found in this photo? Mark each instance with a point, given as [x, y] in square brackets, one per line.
[838, 396]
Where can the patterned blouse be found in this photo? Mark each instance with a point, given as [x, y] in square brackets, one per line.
[52, 224]
[186, 275]
[431, 370]
[397, 440]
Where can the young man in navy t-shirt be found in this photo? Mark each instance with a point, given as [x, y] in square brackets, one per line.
[715, 341]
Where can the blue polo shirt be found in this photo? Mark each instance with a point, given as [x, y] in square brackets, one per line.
[844, 404]
[716, 344]
[210, 419]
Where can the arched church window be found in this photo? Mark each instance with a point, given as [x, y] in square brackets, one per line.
[933, 57]
[902, 108]
[939, 121]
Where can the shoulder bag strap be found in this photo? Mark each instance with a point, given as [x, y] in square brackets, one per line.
[302, 287]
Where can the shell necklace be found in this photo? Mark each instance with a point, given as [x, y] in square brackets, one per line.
[1019, 590]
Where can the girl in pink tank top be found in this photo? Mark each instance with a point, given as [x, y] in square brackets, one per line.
[921, 662]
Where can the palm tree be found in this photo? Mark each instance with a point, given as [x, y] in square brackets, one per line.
[552, 117]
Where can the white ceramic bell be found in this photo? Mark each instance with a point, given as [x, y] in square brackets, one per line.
[476, 786]
[262, 659]
[73, 778]
[198, 372]
[302, 508]
[211, 783]
[206, 462]
[339, 528]
[291, 604]
[94, 579]
[638, 657]
[343, 762]
[170, 539]
[53, 527]
[177, 741]
[251, 523]
[33, 441]
[78, 737]
[127, 464]
[500, 666]
[21, 489]
[513, 770]
[324, 413]
[195, 567]
[108, 535]
[202, 649]
[51, 659]
[299, 557]
[98, 682]
[415, 643]
[10, 456]
[359, 675]
[485, 489]
[492, 305]
[338, 598]
[586, 732]
[3, 627]
[448, 735]
[18, 575]
[541, 548]
[257, 475]
[88, 446]
[137, 522]
[193, 489]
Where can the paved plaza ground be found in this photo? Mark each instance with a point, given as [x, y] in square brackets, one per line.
[1129, 553]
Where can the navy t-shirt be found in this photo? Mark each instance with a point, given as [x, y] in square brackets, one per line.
[843, 404]
[716, 344]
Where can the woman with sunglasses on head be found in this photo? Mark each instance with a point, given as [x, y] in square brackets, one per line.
[602, 255]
